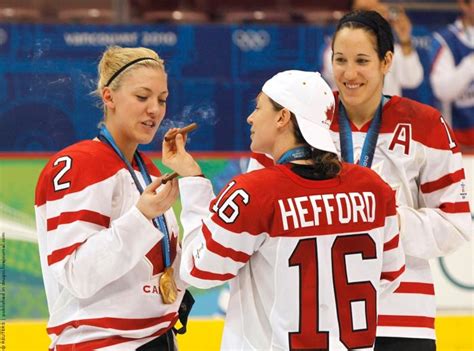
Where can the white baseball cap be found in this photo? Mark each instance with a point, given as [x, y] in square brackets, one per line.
[310, 98]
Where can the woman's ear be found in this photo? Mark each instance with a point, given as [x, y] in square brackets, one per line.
[283, 117]
[387, 62]
[107, 98]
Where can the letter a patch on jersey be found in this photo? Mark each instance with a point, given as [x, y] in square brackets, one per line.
[401, 136]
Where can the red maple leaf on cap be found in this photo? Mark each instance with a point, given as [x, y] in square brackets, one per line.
[329, 114]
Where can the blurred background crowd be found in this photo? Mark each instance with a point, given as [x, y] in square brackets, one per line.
[204, 11]
[426, 63]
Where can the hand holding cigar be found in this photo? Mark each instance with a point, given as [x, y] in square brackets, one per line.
[169, 177]
[184, 130]
[175, 155]
[170, 137]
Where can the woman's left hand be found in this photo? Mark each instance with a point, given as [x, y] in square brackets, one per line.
[177, 158]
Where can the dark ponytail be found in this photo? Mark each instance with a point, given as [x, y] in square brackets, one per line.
[326, 164]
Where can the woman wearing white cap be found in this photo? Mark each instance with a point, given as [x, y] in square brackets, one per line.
[308, 244]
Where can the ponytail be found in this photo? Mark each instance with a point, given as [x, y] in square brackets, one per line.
[326, 164]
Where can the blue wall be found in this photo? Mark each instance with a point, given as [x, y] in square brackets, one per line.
[47, 73]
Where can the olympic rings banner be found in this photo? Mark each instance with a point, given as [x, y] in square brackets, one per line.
[215, 72]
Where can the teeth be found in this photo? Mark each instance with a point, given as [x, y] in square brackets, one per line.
[149, 123]
[352, 86]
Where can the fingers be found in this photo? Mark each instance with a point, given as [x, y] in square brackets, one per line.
[169, 146]
[168, 177]
[184, 130]
[166, 190]
[168, 141]
[174, 193]
[170, 134]
[180, 141]
[153, 203]
[155, 184]
[166, 196]
[173, 150]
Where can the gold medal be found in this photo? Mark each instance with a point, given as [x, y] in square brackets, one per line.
[168, 288]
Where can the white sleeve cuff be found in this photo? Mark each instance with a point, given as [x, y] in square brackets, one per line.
[195, 191]
[138, 223]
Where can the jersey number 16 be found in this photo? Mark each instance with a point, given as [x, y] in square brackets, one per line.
[305, 256]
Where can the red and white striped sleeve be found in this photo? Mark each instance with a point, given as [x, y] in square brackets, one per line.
[83, 241]
[218, 238]
[442, 221]
[393, 263]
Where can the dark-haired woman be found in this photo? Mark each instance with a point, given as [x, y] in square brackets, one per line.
[412, 148]
[297, 240]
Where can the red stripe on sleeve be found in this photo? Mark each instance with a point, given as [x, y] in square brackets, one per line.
[455, 207]
[443, 182]
[415, 288]
[391, 276]
[405, 321]
[197, 273]
[392, 244]
[60, 254]
[82, 215]
[113, 323]
[221, 250]
[114, 340]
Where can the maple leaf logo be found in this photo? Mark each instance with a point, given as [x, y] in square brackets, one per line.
[329, 114]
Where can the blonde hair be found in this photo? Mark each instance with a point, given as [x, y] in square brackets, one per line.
[116, 57]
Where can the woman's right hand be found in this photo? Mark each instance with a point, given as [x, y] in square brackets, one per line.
[153, 203]
[177, 158]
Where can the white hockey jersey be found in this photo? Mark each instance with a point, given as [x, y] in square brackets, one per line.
[307, 260]
[101, 257]
[417, 155]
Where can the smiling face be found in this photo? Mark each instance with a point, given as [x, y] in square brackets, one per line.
[263, 122]
[137, 107]
[358, 71]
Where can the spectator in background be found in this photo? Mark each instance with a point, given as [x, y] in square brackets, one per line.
[452, 73]
[406, 70]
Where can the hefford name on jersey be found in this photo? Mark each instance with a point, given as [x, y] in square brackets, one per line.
[306, 211]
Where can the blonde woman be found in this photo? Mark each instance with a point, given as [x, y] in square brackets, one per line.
[107, 238]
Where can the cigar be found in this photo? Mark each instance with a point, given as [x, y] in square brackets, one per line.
[169, 177]
[187, 129]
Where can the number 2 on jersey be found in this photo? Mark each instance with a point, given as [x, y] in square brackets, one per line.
[305, 256]
[66, 167]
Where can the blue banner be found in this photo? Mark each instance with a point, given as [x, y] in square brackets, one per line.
[48, 72]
